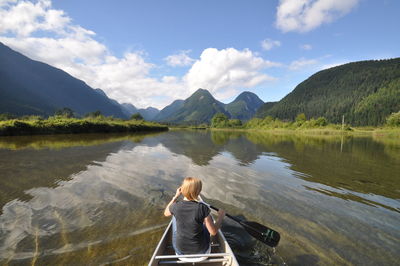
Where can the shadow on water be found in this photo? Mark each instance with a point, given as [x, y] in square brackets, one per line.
[248, 251]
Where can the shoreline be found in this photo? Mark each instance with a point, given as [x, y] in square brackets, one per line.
[356, 131]
[56, 126]
[372, 132]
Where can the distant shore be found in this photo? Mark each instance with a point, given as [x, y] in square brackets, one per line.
[57, 125]
[301, 125]
[353, 131]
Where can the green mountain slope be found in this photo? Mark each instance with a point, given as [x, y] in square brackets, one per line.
[244, 106]
[200, 107]
[364, 92]
[263, 109]
[30, 87]
[169, 110]
[149, 113]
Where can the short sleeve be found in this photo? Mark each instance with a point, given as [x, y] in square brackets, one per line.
[204, 211]
[172, 208]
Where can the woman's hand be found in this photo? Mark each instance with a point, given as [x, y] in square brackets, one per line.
[221, 213]
[167, 212]
[178, 193]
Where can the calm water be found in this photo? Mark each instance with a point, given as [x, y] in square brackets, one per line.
[98, 199]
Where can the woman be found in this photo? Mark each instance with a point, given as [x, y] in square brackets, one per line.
[192, 222]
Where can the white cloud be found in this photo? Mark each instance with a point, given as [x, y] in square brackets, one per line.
[306, 47]
[268, 44]
[76, 51]
[301, 63]
[224, 71]
[24, 17]
[306, 15]
[49, 35]
[326, 66]
[180, 59]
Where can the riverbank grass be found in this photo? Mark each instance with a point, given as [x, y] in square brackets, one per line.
[62, 125]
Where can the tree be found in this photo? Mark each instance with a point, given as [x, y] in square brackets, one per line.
[321, 121]
[301, 118]
[94, 114]
[393, 120]
[137, 116]
[6, 116]
[235, 123]
[219, 120]
[65, 112]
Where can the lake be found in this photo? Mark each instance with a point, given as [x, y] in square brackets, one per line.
[98, 199]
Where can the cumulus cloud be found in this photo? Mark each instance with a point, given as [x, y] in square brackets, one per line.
[306, 15]
[75, 50]
[301, 63]
[180, 59]
[49, 35]
[268, 44]
[224, 71]
[26, 17]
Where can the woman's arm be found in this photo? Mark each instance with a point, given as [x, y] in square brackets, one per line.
[177, 194]
[214, 227]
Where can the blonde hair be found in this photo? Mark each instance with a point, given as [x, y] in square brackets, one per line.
[191, 188]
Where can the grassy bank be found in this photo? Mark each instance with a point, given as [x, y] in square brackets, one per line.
[61, 125]
[353, 131]
[301, 125]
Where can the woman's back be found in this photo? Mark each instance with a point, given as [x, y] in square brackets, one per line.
[192, 236]
[192, 222]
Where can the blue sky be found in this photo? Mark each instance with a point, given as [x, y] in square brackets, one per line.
[150, 53]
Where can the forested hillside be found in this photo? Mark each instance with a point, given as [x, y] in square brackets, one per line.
[169, 110]
[364, 92]
[244, 106]
[29, 87]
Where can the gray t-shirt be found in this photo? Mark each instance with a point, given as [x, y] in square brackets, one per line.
[190, 231]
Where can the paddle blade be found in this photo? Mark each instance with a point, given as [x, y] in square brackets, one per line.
[262, 233]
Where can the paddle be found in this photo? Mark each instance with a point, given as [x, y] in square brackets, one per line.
[258, 231]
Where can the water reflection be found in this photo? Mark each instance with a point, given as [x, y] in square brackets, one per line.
[100, 200]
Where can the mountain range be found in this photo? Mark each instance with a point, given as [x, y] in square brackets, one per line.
[147, 113]
[201, 106]
[45, 89]
[365, 92]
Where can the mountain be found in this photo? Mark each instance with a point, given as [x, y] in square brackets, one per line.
[365, 92]
[263, 109]
[30, 87]
[148, 114]
[200, 107]
[169, 110]
[112, 101]
[129, 109]
[244, 106]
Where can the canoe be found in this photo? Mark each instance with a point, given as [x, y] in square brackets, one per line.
[221, 253]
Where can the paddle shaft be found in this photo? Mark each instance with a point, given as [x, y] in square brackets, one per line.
[228, 215]
[260, 232]
[237, 220]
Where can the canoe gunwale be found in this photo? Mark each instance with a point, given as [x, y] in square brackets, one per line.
[210, 255]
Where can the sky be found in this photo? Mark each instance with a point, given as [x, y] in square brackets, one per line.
[152, 52]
